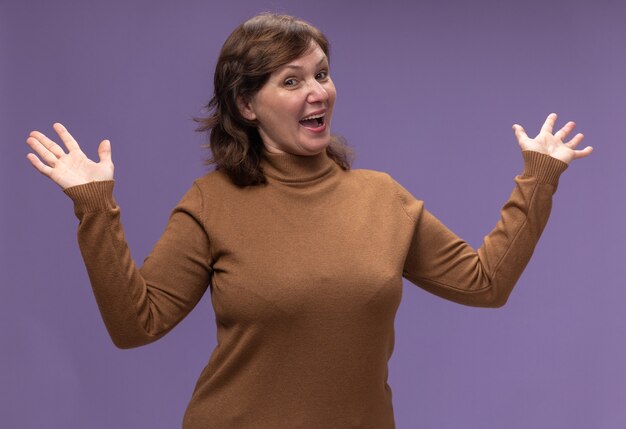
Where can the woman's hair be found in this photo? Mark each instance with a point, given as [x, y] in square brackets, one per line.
[256, 49]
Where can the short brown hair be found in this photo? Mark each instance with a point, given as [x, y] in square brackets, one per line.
[252, 52]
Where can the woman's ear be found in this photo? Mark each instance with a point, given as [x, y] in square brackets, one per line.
[245, 108]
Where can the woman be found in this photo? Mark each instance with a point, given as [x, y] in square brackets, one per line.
[303, 255]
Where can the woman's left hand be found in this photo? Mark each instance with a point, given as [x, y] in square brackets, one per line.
[553, 144]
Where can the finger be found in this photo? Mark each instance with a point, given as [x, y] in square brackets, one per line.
[520, 133]
[65, 135]
[548, 125]
[583, 153]
[39, 166]
[104, 151]
[48, 144]
[565, 131]
[42, 151]
[575, 141]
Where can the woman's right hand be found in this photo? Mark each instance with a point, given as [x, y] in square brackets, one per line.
[72, 168]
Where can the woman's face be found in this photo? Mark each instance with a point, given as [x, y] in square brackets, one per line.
[294, 107]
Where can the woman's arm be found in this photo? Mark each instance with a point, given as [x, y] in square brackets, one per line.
[138, 306]
[442, 263]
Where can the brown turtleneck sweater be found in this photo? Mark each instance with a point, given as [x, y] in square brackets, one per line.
[305, 279]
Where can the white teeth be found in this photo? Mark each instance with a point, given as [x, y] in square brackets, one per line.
[321, 115]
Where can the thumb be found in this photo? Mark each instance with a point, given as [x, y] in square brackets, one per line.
[520, 133]
[104, 151]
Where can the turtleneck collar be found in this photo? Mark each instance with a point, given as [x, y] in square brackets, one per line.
[297, 169]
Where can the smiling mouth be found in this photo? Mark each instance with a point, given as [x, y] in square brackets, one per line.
[313, 121]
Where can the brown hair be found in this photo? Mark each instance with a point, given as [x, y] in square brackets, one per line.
[254, 50]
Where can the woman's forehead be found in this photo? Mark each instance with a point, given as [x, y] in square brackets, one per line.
[315, 56]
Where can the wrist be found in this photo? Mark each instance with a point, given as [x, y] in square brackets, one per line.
[543, 167]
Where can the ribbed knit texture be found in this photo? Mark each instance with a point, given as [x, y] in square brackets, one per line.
[92, 196]
[305, 275]
[544, 168]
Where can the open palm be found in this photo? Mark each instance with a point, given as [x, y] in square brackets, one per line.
[72, 168]
[553, 144]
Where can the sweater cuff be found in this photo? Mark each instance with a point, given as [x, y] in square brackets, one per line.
[544, 168]
[92, 196]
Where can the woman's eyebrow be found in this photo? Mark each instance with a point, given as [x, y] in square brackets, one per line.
[297, 66]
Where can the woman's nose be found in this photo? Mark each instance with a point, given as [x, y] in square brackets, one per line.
[317, 93]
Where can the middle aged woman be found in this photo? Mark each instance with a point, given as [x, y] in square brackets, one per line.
[304, 256]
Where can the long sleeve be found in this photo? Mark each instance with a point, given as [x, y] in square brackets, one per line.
[140, 305]
[445, 265]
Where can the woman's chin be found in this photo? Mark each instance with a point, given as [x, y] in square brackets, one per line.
[315, 147]
[308, 147]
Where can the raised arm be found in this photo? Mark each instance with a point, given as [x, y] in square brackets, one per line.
[138, 305]
[445, 265]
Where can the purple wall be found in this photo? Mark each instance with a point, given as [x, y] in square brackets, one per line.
[427, 92]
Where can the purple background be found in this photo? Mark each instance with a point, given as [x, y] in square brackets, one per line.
[427, 91]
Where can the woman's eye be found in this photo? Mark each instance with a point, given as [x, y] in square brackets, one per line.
[322, 75]
[290, 82]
